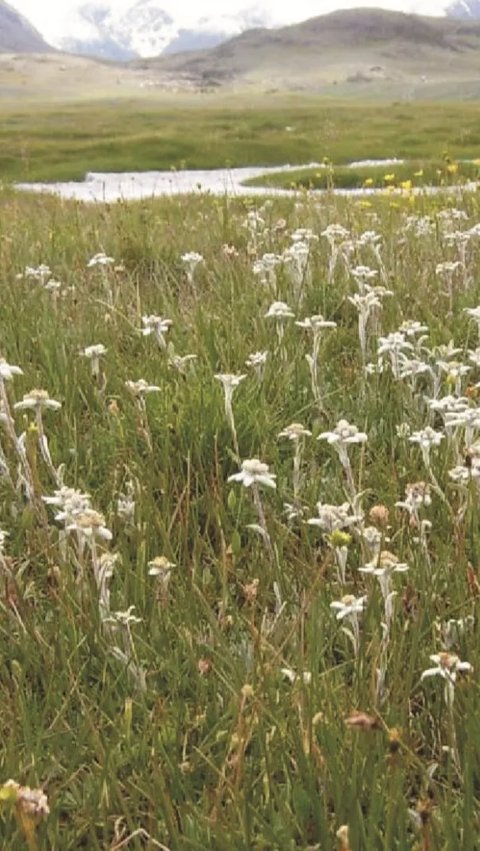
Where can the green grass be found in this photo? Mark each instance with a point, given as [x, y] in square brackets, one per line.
[45, 143]
[220, 751]
[414, 173]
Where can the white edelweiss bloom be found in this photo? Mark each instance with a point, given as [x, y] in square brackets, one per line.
[373, 538]
[89, 524]
[265, 267]
[3, 539]
[279, 310]
[454, 629]
[293, 677]
[53, 286]
[469, 417]
[448, 404]
[363, 274]
[141, 387]
[417, 495]
[427, 437]
[474, 357]
[464, 474]
[473, 313]
[369, 237]
[293, 512]
[384, 565]
[304, 235]
[335, 233]
[295, 431]
[70, 500]
[100, 259]
[395, 343]
[181, 362]
[124, 618]
[160, 566]
[333, 517]
[257, 361]
[254, 222]
[410, 327]
[447, 666]
[343, 434]
[366, 302]
[375, 368]
[254, 472]
[192, 258]
[315, 323]
[453, 369]
[93, 352]
[37, 400]
[420, 226]
[158, 326]
[39, 273]
[412, 367]
[7, 371]
[447, 352]
[348, 605]
[229, 380]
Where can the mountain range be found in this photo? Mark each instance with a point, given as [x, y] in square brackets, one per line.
[144, 29]
[17, 34]
[343, 52]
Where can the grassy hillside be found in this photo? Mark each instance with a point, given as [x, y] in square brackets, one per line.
[370, 48]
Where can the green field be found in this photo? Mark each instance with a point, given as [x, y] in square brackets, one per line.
[221, 703]
[174, 674]
[405, 175]
[66, 142]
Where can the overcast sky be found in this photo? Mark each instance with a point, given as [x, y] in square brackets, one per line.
[49, 15]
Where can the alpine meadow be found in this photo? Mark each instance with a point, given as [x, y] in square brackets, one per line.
[240, 466]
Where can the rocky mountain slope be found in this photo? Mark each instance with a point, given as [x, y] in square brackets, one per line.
[17, 35]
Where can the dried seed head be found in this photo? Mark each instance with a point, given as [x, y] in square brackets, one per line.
[362, 721]
[379, 514]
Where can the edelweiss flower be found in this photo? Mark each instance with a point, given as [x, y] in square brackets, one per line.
[100, 259]
[333, 517]
[158, 326]
[7, 371]
[385, 565]
[254, 472]
[70, 501]
[315, 323]
[427, 437]
[160, 566]
[279, 310]
[257, 361]
[343, 434]
[141, 387]
[348, 606]
[229, 381]
[447, 666]
[295, 431]
[89, 524]
[37, 400]
[93, 354]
